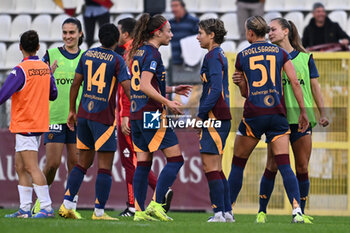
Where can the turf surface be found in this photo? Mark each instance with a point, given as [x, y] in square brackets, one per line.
[183, 222]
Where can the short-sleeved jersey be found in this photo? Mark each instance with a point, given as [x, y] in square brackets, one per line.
[262, 65]
[102, 69]
[215, 99]
[146, 58]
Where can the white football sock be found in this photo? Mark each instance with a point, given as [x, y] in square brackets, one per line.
[99, 212]
[296, 210]
[25, 197]
[42, 192]
[75, 202]
[69, 204]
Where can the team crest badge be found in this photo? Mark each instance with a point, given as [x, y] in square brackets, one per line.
[50, 136]
[91, 105]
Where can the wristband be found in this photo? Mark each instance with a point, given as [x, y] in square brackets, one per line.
[173, 90]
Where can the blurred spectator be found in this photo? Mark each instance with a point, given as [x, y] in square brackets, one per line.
[245, 9]
[182, 25]
[154, 7]
[95, 11]
[321, 30]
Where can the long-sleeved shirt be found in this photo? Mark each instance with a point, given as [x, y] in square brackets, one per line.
[16, 80]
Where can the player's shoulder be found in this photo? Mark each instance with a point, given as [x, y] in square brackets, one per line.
[151, 52]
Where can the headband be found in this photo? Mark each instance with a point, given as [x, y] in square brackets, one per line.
[160, 27]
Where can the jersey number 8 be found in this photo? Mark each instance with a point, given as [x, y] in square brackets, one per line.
[136, 79]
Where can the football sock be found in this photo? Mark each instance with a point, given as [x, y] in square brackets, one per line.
[236, 177]
[75, 201]
[167, 177]
[102, 187]
[266, 187]
[74, 181]
[140, 184]
[289, 180]
[152, 180]
[304, 187]
[227, 200]
[25, 197]
[216, 191]
[42, 192]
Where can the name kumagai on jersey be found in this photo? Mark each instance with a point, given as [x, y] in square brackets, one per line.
[102, 70]
[262, 65]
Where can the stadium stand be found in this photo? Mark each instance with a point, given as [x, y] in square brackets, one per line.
[338, 5]
[5, 25]
[208, 16]
[13, 56]
[165, 51]
[42, 24]
[340, 17]
[2, 54]
[298, 19]
[208, 6]
[227, 6]
[20, 24]
[274, 5]
[231, 25]
[272, 15]
[229, 46]
[25, 6]
[7, 6]
[47, 7]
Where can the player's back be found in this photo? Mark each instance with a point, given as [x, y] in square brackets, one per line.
[100, 68]
[262, 65]
[146, 58]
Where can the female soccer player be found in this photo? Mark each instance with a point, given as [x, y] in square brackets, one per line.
[284, 34]
[31, 85]
[214, 106]
[63, 61]
[265, 110]
[148, 122]
[101, 70]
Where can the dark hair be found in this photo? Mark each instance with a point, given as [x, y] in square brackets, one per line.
[108, 35]
[144, 30]
[78, 24]
[317, 5]
[216, 26]
[30, 41]
[127, 25]
[293, 35]
[182, 3]
[258, 25]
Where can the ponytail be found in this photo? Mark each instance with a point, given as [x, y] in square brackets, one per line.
[293, 35]
[145, 28]
[294, 38]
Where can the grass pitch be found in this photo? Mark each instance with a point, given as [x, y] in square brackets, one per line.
[183, 223]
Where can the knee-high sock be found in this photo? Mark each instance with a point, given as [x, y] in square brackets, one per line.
[227, 199]
[102, 187]
[304, 187]
[25, 197]
[42, 192]
[235, 179]
[140, 184]
[167, 177]
[289, 180]
[216, 190]
[266, 187]
[75, 179]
